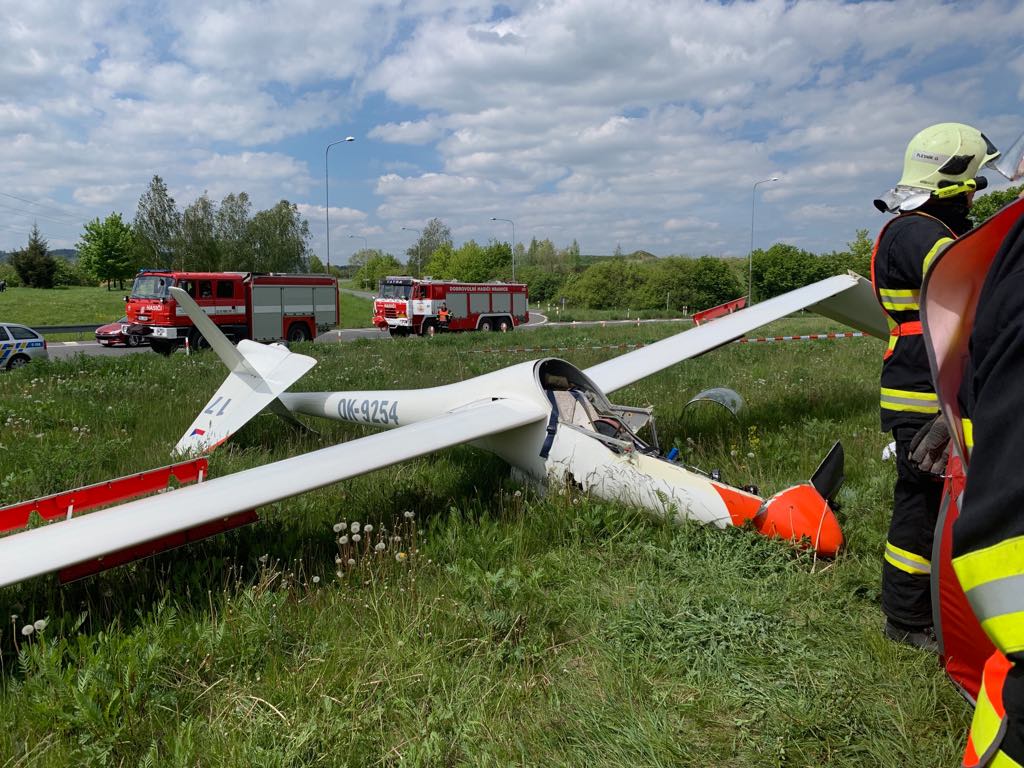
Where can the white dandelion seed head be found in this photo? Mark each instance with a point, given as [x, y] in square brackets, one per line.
[368, 528]
[400, 556]
[750, 455]
[518, 494]
[264, 558]
[355, 527]
[344, 539]
[337, 559]
[339, 527]
[380, 546]
[27, 630]
[351, 562]
[316, 579]
[356, 538]
[409, 514]
[40, 624]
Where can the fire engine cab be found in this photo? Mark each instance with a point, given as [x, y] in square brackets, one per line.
[245, 305]
[406, 305]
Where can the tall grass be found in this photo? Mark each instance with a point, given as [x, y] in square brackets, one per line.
[501, 627]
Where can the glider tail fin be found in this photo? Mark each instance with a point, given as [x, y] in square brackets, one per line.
[258, 373]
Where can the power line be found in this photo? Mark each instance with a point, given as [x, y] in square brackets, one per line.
[38, 215]
[41, 205]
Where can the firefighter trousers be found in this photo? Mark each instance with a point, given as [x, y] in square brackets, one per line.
[906, 581]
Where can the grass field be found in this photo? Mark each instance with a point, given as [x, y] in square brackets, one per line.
[502, 628]
[61, 306]
[83, 306]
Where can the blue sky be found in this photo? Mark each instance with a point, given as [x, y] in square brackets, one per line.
[640, 124]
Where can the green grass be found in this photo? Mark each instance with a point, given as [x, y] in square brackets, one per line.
[555, 314]
[355, 312]
[61, 306]
[518, 630]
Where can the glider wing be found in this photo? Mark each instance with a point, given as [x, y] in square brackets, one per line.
[60, 544]
[847, 298]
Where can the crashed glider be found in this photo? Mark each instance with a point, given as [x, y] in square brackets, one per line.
[547, 418]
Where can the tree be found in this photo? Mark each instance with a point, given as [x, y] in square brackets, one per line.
[433, 236]
[667, 282]
[712, 283]
[988, 205]
[200, 246]
[377, 265]
[157, 227]
[35, 266]
[783, 268]
[233, 237]
[440, 262]
[280, 240]
[608, 284]
[105, 249]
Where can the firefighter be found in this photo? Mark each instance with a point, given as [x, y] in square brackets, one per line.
[931, 203]
[442, 315]
[988, 535]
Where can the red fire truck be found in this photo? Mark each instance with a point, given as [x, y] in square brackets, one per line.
[406, 305]
[245, 305]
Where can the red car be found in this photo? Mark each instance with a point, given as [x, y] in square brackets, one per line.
[114, 333]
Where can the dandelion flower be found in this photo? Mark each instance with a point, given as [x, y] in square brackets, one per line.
[368, 528]
[400, 556]
[344, 539]
[518, 494]
[337, 559]
[339, 527]
[27, 630]
[264, 558]
[380, 546]
[750, 455]
[40, 625]
[351, 562]
[409, 514]
[733, 452]
[316, 579]
[355, 527]
[356, 538]
[339, 574]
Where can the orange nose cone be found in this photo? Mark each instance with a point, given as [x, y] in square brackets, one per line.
[801, 514]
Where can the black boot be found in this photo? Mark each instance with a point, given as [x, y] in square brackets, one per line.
[922, 638]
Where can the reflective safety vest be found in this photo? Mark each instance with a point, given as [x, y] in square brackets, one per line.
[988, 575]
[907, 395]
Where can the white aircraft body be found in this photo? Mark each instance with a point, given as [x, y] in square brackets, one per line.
[548, 419]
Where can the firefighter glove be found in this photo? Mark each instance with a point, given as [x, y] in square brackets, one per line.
[930, 446]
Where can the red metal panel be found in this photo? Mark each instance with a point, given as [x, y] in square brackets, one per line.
[722, 309]
[62, 505]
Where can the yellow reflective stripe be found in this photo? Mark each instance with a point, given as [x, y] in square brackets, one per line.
[906, 560]
[1006, 631]
[999, 561]
[900, 299]
[968, 426]
[908, 400]
[892, 342]
[1002, 760]
[986, 722]
[930, 256]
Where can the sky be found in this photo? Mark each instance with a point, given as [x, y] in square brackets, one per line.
[639, 125]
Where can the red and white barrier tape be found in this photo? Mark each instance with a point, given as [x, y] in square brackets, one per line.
[809, 336]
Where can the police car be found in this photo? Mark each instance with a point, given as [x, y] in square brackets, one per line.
[20, 344]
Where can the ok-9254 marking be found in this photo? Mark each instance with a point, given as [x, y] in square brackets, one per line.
[369, 411]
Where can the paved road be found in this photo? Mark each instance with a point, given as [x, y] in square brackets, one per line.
[61, 350]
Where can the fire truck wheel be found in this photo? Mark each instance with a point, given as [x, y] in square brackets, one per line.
[162, 347]
[298, 332]
[429, 329]
[504, 326]
[196, 341]
[485, 325]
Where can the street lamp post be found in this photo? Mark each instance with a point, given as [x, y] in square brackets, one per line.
[750, 272]
[418, 232]
[327, 196]
[509, 221]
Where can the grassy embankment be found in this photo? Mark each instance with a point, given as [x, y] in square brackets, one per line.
[516, 630]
